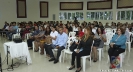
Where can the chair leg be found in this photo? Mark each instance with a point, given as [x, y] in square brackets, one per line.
[108, 59]
[100, 54]
[33, 46]
[90, 60]
[64, 57]
[129, 46]
[84, 64]
[60, 57]
[121, 60]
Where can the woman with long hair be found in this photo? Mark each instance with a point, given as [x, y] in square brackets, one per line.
[84, 49]
[102, 37]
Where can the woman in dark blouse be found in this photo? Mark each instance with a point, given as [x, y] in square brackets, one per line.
[84, 48]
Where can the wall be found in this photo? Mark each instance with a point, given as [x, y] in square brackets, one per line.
[8, 11]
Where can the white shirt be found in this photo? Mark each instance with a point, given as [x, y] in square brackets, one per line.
[83, 30]
[94, 30]
[75, 29]
[7, 28]
[53, 34]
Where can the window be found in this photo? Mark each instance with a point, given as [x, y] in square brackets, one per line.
[97, 15]
[118, 15]
[107, 15]
[128, 14]
[122, 15]
[125, 15]
[88, 15]
[101, 15]
[132, 15]
[71, 15]
[92, 15]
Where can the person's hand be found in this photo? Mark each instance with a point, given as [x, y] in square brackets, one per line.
[77, 51]
[111, 44]
[79, 38]
[57, 47]
[77, 43]
[100, 35]
[31, 37]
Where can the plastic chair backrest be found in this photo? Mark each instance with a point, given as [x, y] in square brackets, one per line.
[109, 36]
[130, 36]
[72, 34]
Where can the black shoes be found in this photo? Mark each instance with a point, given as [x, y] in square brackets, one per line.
[52, 59]
[71, 67]
[78, 70]
[56, 61]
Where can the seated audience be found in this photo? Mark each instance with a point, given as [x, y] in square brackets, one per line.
[107, 25]
[84, 49]
[12, 31]
[6, 29]
[39, 41]
[65, 30]
[117, 44]
[32, 37]
[69, 28]
[101, 25]
[80, 33]
[60, 44]
[48, 31]
[99, 40]
[113, 26]
[53, 36]
[93, 29]
[75, 28]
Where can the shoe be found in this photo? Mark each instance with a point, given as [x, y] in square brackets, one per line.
[30, 48]
[95, 60]
[56, 61]
[71, 67]
[78, 70]
[36, 50]
[110, 67]
[52, 59]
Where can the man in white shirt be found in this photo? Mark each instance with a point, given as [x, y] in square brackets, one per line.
[53, 36]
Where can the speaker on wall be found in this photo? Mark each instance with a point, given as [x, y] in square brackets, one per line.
[53, 16]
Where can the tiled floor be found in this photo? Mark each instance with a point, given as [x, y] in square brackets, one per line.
[41, 63]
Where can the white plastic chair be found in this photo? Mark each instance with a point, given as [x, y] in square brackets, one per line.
[85, 57]
[27, 35]
[129, 42]
[17, 34]
[108, 30]
[122, 56]
[72, 34]
[109, 36]
[67, 50]
[60, 58]
[100, 52]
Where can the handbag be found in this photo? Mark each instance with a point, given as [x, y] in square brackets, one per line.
[115, 62]
[17, 40]
[73, 46]
[97, 42]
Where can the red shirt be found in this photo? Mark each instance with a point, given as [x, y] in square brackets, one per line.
[80, 34]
